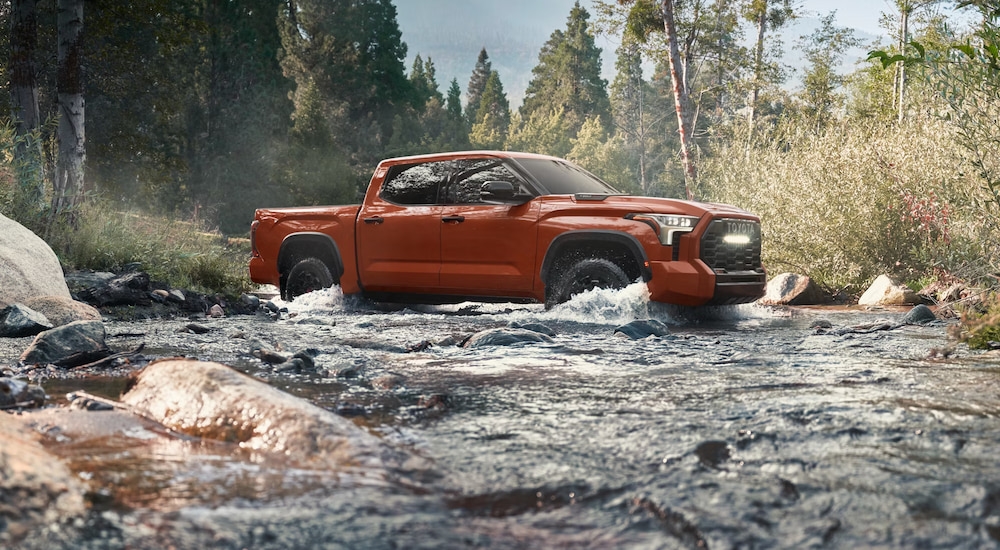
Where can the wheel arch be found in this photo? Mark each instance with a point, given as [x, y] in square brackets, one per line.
[321, 246]
[613, 245]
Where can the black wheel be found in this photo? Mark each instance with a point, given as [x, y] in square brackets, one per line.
[584, 275]
[306, 276]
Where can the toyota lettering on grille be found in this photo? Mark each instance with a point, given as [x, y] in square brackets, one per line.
[740, 228]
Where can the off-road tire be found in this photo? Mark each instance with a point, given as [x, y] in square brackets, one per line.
[585, 275]
[305, 276]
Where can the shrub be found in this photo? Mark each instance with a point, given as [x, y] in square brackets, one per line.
[857, 200]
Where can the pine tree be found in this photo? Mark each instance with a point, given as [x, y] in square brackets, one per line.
[493, 117]
[477, 84]
[568, 75]
[454, 102]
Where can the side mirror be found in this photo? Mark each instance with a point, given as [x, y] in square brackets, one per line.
[503, 192]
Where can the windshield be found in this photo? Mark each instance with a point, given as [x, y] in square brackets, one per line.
[558, 177]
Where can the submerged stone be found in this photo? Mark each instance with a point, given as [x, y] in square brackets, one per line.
[643, 328]
[919, 315]
[505, 337]
[534, 327]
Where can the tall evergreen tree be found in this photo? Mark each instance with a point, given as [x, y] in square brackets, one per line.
[568, 75]
[493, 117]
[477, 84]
[454, 102]
[352, 51]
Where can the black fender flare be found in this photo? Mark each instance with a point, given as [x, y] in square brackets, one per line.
[320, 245]
[599, 235]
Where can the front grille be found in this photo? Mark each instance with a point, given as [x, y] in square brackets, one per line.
[724, 257]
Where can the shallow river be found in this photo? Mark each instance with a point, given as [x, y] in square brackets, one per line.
[745, 428]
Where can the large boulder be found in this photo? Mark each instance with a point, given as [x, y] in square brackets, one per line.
[212, 401]
[60, 310]
[887, 292]
[28, 266]
[790, 289]
[74, 344]
[37, 491]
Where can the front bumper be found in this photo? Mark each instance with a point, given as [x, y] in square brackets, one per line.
[695, 284]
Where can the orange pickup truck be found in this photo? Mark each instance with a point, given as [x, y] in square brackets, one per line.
[505, 226]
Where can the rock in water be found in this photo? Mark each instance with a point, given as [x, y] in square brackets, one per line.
[17, 320]
[887, 292]
[792, 290]
[643, 328]
[77, 343]
[37, 491]
[213, 401]
[62, 311]
[505, 337]
[30, 267]
[919, 315]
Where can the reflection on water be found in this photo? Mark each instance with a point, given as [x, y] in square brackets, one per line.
[744, 428]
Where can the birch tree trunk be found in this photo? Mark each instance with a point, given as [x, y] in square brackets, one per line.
[24, 98]
[758, 65]
[681, 102]
[68, 184]
[904, 31]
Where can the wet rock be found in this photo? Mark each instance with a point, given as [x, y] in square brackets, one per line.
[419, 346]
[505, 337]
[60, 310]
[30, 267]
[434, 401]
[822, 324]
[213, 401]
[37, 491]
[127, 289]
[793, 290]
[295, 364]
[14, 392]
[643, 328]
[249, 302]
[919, 315]
[887, 292]
[347, 371]
[195, 328]
[389, 381]
[159, 295]
[269, 356]
[351, 410]
[74, 344]
[17, 321]
[713, 453]
[216, 312]
[534, 327]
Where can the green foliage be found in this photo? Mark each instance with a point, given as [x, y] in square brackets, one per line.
[820, 95]
[477, 85]
[606, 157]
[547, 133]
[981, 330]
[568, 76]
[493, 117]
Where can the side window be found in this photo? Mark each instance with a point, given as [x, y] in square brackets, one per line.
[416, 184]
[465, 185]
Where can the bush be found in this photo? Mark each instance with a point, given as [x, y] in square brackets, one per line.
[181, 254]
[857, 200]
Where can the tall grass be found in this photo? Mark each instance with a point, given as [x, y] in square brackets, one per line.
[854, 201]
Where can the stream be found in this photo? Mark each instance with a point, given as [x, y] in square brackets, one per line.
[746, 427]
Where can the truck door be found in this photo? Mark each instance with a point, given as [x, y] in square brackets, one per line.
[399, 232]
[486, 249]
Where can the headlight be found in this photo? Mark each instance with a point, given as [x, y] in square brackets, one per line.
[666, 225]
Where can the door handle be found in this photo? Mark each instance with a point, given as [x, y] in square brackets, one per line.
[374, 220]
[456, 219]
